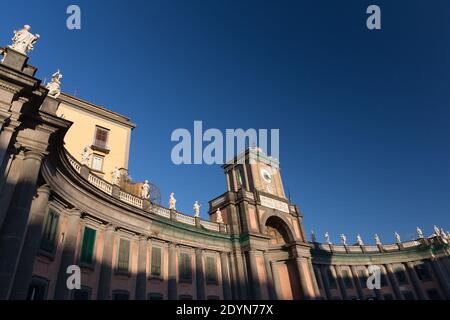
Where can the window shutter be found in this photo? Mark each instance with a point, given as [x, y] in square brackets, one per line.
[87, 249]
[124, 255]
[156, 261]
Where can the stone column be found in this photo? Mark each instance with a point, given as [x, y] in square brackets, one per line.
[442, 277]
[355, 277]
[9, 181]
[68, 254]
[326, 285]
[337, 270]
[141, 278]
[15, 223]
[254, 279]
[225, 276]
[415, 281]
[313, 279]
[104, 285]
[199, 274]
[172, 282]
[241, 277]
[278, 293]
[269, 276]
[22, 279]
[394, 283]
[301, 266]
[234, 280]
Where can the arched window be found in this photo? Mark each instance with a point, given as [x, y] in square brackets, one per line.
[276, 230]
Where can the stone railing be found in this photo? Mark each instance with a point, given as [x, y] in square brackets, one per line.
[339, 248]
[130, 199]
[185, 219]
[100, 183]
[137, 202]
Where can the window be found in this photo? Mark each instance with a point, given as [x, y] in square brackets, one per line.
[423, 272]
[156, 262]
[97, 162]
[50, 230]
[124, 255]
[433, 294]
[401, 275]
[185, 297]
[211, 270]
[347, 279]
[87, 249]
[184, 265]
[155, 296]
[38, 289]
[82, 294]
[331, 280]
[121, 295]
[101, 138]
[212, 298]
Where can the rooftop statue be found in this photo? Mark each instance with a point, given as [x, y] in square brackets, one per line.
[219, 218]
[419, 233]
[313, 236]
[24, 40]
[397, 237]
[54, 86]
[343, 239]
[196, 209]
[359, 240]
[115, 176]
[172, 201]
[145, 190]
[327, 238]
[377, 239]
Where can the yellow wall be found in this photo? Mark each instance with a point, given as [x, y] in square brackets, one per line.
[82, 133]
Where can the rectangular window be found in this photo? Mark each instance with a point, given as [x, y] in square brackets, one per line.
[97, 162]
[155, 296]
[184, 266]
[124, 255]
[331, 280]
[211, 270]
[50, 230]
[347, 279]
[37, 289]
[121, 295]
[87, 249]
[156, 262]
[101, 138]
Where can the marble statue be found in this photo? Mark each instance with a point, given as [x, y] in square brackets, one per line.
[24, 40]
[436, 230]
[327, 238]
[397, 237]
[54, 86]
[219, 218]
[343, 239]
[419, 233]
[359, 240]
[85, 156]
[377, 239]
[196, 209]
[145, 190]
[313, 236]
[115, 176]
[172, 201]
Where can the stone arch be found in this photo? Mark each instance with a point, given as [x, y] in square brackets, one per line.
[279, 228]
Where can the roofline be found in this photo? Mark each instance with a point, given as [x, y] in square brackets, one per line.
[95, 109]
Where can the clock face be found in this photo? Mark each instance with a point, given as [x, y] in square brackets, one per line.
[265, 174]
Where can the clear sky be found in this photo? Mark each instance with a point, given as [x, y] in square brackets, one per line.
[364, 116]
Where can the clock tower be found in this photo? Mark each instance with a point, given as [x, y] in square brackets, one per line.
[271, 244]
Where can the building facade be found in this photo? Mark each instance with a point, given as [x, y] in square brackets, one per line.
[66, 200]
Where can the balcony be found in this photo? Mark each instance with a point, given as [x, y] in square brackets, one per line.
[100, 145]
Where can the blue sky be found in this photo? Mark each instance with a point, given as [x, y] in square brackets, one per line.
[364, 116]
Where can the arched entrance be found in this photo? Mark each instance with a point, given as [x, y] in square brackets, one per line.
[284, 269]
